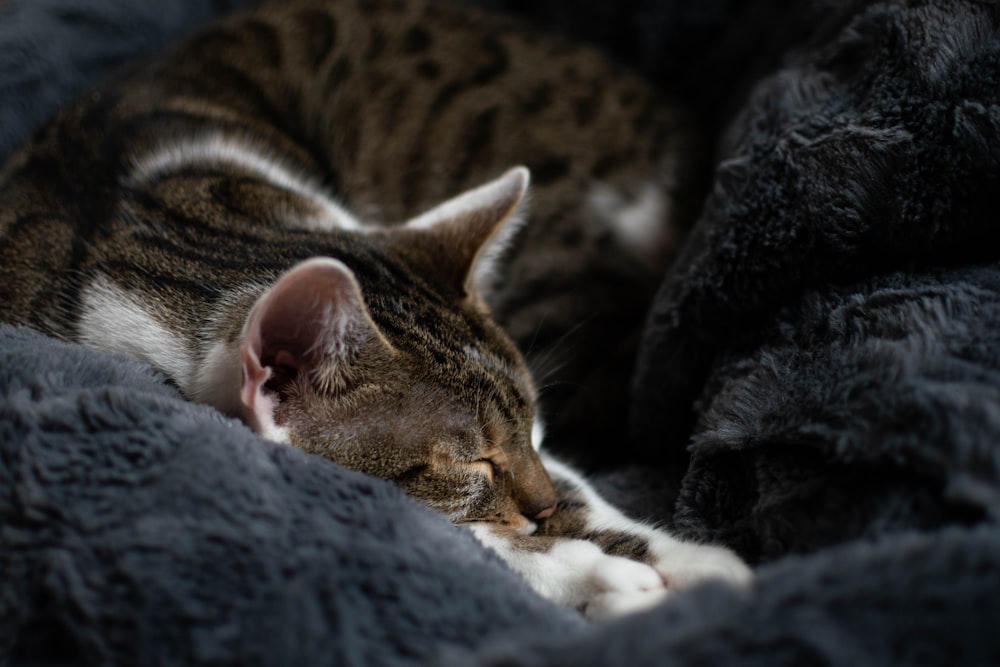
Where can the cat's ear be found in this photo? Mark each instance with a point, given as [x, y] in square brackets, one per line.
[312, 320]
[468, 233]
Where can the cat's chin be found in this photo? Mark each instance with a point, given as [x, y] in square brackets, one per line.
[526, 528]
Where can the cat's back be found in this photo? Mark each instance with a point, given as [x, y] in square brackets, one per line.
[391, 106]
[398, 105]
[179, 176]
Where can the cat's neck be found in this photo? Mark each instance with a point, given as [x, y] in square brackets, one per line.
[216, 379]
[204, 364]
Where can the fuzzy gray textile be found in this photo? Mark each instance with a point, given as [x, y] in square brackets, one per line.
[54, 49]
[820, 388]
[139, 529]
[821, 364]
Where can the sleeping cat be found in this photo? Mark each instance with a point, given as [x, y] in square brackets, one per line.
[254, 213]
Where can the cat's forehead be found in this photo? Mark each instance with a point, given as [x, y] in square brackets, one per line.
[504, 368]
[419, 319]
[491, 386]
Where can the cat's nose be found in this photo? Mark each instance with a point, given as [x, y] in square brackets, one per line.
[545, 513]
[533, 493]
[539, 511]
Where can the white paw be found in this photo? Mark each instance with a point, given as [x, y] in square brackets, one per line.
[621, 586]
[683, 564]
[578, 574]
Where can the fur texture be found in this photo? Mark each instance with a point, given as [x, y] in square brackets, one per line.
[371, 101]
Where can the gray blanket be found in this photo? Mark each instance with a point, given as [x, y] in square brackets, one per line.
[819, 387]
[822, 363]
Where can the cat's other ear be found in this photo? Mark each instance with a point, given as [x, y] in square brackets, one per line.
[466, 235]
[313, 320]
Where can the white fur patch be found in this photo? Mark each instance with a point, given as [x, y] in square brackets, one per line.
[576, 573]
[220, 149]
[537, 433]
[216, 381]
[639, 223]
[112, 319]
[603, 515]
[679, 563]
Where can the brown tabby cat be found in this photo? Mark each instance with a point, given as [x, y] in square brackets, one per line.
[194, 213]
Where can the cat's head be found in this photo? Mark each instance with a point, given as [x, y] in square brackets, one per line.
[394, 367]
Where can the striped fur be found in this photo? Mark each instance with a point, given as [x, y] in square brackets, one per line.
[256, 213]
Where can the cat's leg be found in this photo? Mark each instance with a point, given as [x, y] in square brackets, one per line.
[575, 572]
[590, 556]
[586, 515]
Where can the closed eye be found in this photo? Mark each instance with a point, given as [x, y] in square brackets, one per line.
[492, 466]
[410, 473]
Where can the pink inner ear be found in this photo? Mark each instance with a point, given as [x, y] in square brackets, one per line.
[297, 324]
[257, 406]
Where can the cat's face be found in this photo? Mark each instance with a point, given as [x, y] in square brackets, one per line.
[459, 438]
[398, 371]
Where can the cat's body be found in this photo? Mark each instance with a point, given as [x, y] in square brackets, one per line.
[231, 213]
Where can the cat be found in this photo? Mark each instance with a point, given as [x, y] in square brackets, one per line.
[258, 213]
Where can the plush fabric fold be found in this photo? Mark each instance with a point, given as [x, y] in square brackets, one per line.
[138, 528]
[820, 364]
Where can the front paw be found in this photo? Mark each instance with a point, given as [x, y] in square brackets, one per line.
[599, 585]
[621, 586]
[683, 564]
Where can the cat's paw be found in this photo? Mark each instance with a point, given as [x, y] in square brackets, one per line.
[602, 586]
[623, 587]
[683, 564]
[578, 574]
